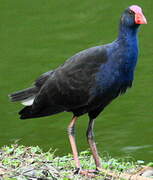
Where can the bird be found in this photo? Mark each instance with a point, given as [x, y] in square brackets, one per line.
[87, 82]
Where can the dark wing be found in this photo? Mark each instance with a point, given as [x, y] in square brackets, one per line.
[70, 86]
[41, 80]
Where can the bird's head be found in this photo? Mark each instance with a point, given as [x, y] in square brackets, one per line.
[133, 16]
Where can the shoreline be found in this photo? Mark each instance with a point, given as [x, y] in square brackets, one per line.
[18, 162]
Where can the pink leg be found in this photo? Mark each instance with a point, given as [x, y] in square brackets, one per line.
[71, 133]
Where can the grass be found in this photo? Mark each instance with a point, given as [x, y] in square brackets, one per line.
[18, 162]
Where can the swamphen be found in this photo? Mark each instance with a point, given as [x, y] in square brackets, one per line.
[87, 82]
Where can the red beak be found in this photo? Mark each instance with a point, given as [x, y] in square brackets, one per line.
[140, 18]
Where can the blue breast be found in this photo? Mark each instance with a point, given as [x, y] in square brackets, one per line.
[117, 74]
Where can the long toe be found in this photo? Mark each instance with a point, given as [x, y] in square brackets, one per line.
[89, 173]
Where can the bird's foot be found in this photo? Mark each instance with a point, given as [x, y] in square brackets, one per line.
[99, 169]
[89, 173]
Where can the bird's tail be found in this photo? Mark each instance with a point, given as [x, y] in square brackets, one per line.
[27, 112]
[24, 94]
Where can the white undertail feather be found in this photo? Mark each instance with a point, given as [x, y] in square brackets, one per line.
[28, 102]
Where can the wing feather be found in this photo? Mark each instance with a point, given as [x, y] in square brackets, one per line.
[70, 85]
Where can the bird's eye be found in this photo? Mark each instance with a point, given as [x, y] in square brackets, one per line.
[131, 12]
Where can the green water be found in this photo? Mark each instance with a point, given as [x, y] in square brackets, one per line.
[39, 35]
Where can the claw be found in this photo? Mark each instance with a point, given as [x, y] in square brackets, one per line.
[88, 173]
[77, 171]
[99, 169]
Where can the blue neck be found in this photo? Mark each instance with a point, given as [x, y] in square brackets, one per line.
[128, 33]
[127, 38]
